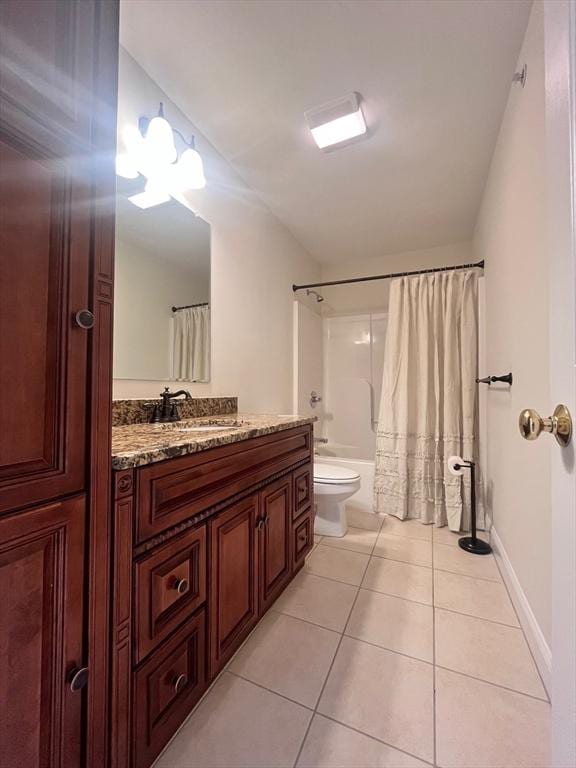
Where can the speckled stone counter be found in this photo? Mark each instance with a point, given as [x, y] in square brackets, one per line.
[139, 411]
[135, 445]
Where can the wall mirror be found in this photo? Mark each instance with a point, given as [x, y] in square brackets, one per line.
[162, 291]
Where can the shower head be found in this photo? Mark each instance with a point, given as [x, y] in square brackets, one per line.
[314, 293]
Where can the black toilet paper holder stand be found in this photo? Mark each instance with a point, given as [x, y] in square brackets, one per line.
[472, 543]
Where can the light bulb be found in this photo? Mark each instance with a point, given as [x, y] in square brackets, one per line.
[126, 166]
[133, 139]
[190, 171]
[160, 141]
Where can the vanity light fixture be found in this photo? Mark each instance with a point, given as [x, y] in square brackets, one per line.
[337, 122]
[151, 152]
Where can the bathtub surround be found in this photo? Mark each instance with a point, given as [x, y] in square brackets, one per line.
[353, 352]
[254, 261]
[510, 236]
[428, 408]
[140, 411]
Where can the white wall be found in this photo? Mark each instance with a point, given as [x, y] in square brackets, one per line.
[255, 260]
[374, 295]
[510, 236]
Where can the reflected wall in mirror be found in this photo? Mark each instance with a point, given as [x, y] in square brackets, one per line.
[162, 291]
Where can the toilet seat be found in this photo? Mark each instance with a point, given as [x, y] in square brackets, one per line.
[334, 475]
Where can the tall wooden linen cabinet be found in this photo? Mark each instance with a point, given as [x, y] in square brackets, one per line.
[58, 82]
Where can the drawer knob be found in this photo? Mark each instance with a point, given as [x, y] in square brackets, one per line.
[179, 683]
[84, 319]
[181, 586]
[78, 679]
[302, 536]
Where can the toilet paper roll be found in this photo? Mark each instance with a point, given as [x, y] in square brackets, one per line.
[452, 462]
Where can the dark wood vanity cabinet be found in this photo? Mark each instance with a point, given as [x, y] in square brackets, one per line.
[57, 146]
[239, 523]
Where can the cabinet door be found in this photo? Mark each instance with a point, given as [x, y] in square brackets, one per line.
[274, 530]
[233, 579]
[45, 209]
[41, 587]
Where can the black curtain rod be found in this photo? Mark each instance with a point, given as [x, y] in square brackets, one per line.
[190, 306]
[479, 265]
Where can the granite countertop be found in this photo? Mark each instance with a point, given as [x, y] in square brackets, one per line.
[135, 445]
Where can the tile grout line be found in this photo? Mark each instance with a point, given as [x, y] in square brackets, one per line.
[375, 738]
[411, 599]
[346, 725]
[480, 618]
[444, 570]
[331, 665]
[327, 717]
[270, 690]
[494, 685]
[397, 653]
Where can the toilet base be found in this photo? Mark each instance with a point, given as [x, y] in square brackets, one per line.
[331, 519]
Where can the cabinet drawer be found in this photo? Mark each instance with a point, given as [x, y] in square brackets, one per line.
[166, 688]
[303, 490]
[302, 538]
[172, 491]
[170, 584]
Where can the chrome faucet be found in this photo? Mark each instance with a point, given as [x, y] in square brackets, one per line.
[167, 410]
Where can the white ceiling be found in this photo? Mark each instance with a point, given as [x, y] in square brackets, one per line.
[434, 74]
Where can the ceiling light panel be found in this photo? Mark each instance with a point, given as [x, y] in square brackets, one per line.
[338, 122]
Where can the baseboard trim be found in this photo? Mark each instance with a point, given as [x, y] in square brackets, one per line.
[536, 640]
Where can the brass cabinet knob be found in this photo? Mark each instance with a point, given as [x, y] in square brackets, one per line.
[531, 424]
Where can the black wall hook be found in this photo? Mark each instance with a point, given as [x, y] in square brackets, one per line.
[507, 379]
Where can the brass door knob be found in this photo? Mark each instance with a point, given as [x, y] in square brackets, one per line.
[531, 424]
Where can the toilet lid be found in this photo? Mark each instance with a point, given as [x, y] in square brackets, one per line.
[330, 473]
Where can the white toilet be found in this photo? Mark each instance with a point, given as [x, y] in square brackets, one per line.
[333, 485]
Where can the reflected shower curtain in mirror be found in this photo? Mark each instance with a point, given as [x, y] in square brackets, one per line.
[428, 403]
[192, 344]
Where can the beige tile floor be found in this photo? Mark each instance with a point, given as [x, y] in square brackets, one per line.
[392, 648]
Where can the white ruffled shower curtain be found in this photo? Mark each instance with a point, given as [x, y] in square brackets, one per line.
[428, 404]
[192, 344]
